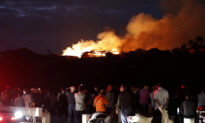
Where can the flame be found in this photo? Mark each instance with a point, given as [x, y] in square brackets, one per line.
[108, 42]
[146, 32]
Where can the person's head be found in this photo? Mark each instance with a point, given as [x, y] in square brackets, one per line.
[96, 89]
[39, 91]
[122, 88]
[101, 91]
[109, 88]
[188, 96]
[72, 89]
[62, 90]
[146, 87]
[80, 88]
[134, 89]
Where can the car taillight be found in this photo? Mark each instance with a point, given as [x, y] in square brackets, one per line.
[1, 118]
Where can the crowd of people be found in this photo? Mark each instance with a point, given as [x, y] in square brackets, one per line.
[72, 102]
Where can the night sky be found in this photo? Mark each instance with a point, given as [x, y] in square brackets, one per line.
[52, 25]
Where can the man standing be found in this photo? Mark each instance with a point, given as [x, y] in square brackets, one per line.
[123, 104]
[161, 97]
[201, 98]
[110, 97]
[19, 101]
[100, 102]
[28, 99]
[71, 104]
[188, 107]
[135, 99]
[144, 99]
[80, 104]
[62, 104]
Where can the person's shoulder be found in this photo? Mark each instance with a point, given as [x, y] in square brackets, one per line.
[162, 90]
[120, 95]
[126, 94]
[97, 97]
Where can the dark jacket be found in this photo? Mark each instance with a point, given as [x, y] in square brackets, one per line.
[124, 101]
[188, 108]
[70, 98]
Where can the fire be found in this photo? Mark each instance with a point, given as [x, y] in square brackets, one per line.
[146, 32]
[108, 42]
[100, 53]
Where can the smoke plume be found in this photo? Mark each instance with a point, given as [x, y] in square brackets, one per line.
[172, 30]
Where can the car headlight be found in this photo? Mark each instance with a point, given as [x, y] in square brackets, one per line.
[18, 115]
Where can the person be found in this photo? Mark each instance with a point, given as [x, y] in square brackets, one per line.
[37, 97]
[161, 97]
[49, 102]
[144, 99]
[62, 104]
[18, 101]
[123, 104]
[96, 91]
[188, 107]
[90, 100]
[153, 105]
[28, 100]
[135, 99]
[71, 104]
[6, 96]
[110, 97]
[201, 98]
[80, 104]
[100, 102]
